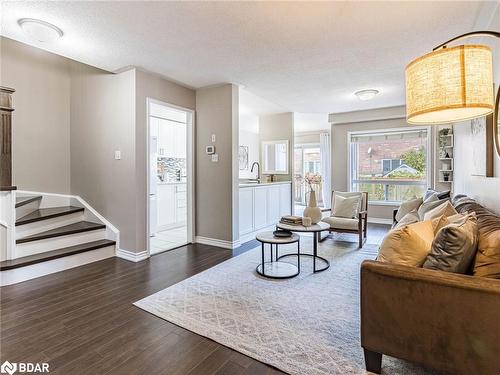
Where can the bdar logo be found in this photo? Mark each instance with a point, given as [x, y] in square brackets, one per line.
[8, 368]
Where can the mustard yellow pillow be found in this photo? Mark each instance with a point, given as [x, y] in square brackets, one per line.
[408, 245]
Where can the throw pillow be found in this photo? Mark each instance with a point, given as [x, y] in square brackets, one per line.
[346, 207]
[454, 247]
[440, 194]
[408, 206]
[408, 245]
[409, 218]
[445, 209]
[429, 204]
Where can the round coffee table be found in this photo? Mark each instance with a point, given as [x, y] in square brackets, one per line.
[276, 269]
[315, 229]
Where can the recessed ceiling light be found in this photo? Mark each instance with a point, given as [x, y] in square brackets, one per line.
[366, 94]
[40, 30]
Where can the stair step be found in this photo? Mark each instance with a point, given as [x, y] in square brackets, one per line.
[54, 254]
[47, 213]
[21, 201]
[81, 226]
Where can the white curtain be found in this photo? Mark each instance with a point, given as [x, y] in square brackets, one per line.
[326, 167]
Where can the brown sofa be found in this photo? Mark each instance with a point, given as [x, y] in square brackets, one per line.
[445, 321]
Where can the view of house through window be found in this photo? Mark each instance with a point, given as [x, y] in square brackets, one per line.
[391, 166]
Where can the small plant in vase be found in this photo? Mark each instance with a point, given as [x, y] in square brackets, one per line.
[312, 210]
[446, 176]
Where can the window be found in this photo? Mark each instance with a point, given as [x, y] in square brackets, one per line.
[391, 165]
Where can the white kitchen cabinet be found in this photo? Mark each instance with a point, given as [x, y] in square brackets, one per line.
[262, 206]
[246, 210]
[171, 206]
[171, 139]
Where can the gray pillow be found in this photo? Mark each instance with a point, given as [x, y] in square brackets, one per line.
[454, 246]
[408, 206]
[409, 218]
[428, 204]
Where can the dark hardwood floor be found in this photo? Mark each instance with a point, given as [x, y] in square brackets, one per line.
[82, 321]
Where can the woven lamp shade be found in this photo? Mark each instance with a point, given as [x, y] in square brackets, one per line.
[450, 85]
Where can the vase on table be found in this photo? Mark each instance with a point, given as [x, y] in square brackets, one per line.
[312, 210]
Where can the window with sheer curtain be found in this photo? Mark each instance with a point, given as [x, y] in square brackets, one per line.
[391, 165]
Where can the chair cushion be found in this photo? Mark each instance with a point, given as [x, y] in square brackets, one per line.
[445, 209]
[408, 245]
[347, 207]
[408, 206]
[341, 222]
[454, 247]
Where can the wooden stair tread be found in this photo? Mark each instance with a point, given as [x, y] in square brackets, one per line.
[21, 201]
[81, 226]
[54, 254]
[47, 213]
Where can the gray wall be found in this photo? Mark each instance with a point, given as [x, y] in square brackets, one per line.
[102, 121]
[217, 183]
[339, 156]
[276, 128]
[41, 137]
[149, 85]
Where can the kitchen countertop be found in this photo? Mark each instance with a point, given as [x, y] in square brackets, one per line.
[171, 183]
[249, 184]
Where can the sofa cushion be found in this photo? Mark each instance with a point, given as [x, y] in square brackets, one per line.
[487, 260]
[408, 206]
[432, 202]
[445, 209]
[409, 218]
[408, 245]
[440, 194]
[341, 222]
[454, 247]
[347, 207]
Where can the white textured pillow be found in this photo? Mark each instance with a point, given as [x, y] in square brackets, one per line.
[445, 209]
[346, 207]
[409, 218]
[429, 204]
[408, 206]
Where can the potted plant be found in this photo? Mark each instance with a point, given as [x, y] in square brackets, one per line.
[446, 176]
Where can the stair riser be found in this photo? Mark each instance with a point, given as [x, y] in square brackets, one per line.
[40, 246]
[36, 270]
[27, 208]
[43, 225]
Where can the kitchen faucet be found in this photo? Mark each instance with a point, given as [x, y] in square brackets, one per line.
[255, 163]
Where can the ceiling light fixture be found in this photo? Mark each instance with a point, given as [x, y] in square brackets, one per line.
[40, 30]
[366, 94]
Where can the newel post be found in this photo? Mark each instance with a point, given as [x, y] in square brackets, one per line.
[6, 110]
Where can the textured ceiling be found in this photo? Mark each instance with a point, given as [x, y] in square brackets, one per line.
[305, 57]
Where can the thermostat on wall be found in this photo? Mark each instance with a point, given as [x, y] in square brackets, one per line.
[210, 150]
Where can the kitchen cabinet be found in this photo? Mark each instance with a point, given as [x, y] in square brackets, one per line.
[171, 205]
[262, 205]
[171, 139]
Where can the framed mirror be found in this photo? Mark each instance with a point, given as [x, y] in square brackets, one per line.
[496, 122]
[275, 157]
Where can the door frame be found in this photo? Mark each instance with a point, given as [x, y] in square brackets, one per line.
[190, 157]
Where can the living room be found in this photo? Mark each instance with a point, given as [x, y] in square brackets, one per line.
[333, 167]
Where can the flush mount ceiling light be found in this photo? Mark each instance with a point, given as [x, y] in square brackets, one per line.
[40, 30]
[451, 84]
[366, 94]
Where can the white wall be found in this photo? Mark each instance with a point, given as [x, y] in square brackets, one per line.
[249, 137]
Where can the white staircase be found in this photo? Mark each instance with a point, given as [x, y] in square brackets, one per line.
[51, 233]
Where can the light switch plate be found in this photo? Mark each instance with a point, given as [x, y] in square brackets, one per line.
[118, 155]
[215, 158]
[213, 138]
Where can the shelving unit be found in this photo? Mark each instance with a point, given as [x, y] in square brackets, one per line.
[445, 148]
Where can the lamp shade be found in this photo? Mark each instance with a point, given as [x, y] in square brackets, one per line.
[450, 85]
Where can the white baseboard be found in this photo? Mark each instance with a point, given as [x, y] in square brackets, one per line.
[131, 256]
[218, 243]
[379, 220]
[33, 271]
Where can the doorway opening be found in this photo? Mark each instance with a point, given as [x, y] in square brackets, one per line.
[170, 176]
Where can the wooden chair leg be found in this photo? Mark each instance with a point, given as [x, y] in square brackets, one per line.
[360, 239]
[373, 361]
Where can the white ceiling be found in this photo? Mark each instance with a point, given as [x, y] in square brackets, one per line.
[305, 57]
[310, 122]
[253, 105]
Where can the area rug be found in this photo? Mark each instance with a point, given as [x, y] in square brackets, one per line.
[307, 325]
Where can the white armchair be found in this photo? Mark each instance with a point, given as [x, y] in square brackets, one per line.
[349, 214]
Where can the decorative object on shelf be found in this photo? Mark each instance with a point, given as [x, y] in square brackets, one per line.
[445, 167]
[292, 220]
[446, 176]
[243, 158]
[312, 210]
[447, 155]
[306, 221]
[451, 84]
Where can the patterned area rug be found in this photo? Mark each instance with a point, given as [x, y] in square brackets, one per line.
[305, 325]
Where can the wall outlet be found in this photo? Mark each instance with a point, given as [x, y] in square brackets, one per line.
[215, 158]
[118, 155]
[213, 138]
